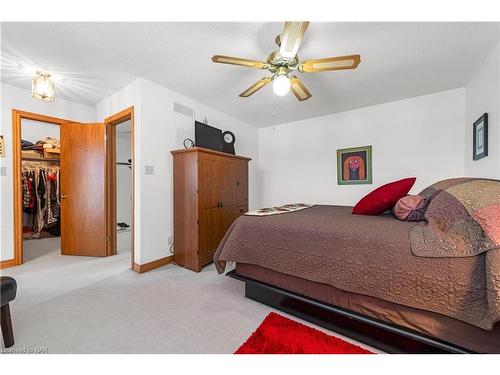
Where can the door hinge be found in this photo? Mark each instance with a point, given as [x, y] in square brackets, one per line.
[105, 137]
[197, 222]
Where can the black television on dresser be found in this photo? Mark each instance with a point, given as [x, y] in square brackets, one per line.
[207, 136]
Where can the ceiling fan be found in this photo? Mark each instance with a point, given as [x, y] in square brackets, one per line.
[285, 60]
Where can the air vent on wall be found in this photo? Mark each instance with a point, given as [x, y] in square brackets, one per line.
[183, 110]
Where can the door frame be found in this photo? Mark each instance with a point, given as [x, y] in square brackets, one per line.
[111, 123]
[17, 117]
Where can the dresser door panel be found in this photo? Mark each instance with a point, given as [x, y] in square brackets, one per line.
[208, 181]
[241, 183]
[211, 230]
[227, 176]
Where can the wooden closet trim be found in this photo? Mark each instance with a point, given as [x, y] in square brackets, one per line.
[17, 117]
[111, 123]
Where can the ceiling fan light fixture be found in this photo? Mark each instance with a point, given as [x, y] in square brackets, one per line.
[281, 85]
[42, 87]
[284, 61]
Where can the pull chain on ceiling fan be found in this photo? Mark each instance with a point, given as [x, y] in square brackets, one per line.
[285, 60]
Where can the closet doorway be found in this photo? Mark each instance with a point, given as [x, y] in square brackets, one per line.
[77, 196]
[120, 189]
[29, 224]
[40, 174]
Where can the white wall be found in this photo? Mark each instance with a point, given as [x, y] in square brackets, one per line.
[33, 131]
[421, 137]
[129, 96]
[162, 131]
[16, 98]
[158, 130]
[482, 95]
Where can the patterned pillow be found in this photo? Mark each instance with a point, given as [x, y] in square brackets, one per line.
[411, 208]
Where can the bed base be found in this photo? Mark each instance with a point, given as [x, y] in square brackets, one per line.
[387, 337]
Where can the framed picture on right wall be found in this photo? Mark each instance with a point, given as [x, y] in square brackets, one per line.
[480, 138]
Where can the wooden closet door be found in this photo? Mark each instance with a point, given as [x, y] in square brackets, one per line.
[83, 189]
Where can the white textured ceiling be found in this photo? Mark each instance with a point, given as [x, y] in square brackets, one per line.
[399, 60]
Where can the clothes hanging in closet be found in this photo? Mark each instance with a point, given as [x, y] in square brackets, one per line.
[41, 203]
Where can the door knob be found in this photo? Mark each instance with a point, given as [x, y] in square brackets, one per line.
[64, 196]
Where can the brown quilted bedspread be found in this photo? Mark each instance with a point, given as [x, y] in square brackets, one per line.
[369, 255]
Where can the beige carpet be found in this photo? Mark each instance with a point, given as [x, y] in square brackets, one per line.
[98, 305]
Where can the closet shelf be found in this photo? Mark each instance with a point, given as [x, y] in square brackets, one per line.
[41, 159]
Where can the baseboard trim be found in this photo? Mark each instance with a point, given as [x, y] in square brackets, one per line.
[7, 263]
[141, 268]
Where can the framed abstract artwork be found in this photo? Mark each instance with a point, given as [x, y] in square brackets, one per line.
[354, 165]
[480, 138]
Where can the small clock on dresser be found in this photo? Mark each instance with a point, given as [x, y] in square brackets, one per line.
[228, 142]
[188, 143]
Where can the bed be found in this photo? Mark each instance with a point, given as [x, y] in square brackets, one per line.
[359, 276]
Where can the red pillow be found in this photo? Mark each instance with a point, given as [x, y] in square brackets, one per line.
[383, 198]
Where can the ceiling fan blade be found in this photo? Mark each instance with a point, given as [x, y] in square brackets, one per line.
[238, 61]
[291, 38]
[330, 63]
[298, 89]
[256, 86]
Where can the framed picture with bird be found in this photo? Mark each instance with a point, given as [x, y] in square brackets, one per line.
[354, 165]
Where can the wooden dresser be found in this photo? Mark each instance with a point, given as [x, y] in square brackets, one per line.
[210, 192]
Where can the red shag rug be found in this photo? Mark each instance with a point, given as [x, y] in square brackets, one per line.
[280, 335]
